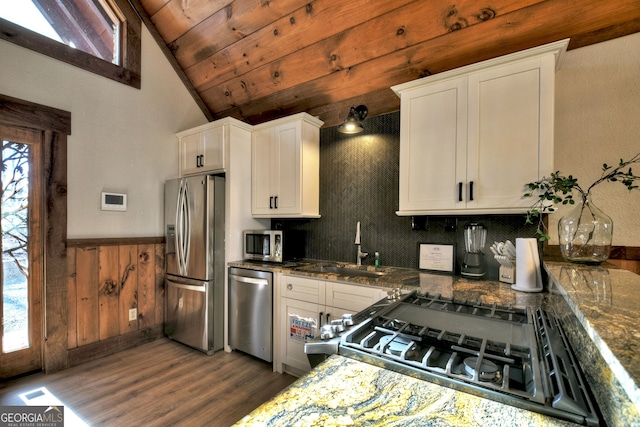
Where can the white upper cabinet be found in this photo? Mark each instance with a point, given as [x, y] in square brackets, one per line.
[202, 149]
[471, 138]
[285, 161]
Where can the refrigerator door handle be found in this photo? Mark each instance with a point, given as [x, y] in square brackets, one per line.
[187, 220]
[179, 231]
[183, 229]
[187, 287]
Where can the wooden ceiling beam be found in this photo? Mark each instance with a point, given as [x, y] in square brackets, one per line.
[177, 17]
[532, 26]
[393, 31]
[225, 27]
[306, 26]
[151, 7]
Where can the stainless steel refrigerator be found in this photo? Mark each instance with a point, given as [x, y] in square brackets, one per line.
[194, 227]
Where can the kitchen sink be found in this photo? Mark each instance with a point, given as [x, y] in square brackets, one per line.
[344, 271]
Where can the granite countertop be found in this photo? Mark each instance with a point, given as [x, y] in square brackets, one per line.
[602, 316]
[343, 392]
[598, 307]
[486, 291]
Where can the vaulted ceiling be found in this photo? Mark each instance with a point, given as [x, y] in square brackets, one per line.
[257, 60]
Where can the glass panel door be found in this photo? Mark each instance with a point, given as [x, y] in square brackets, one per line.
[15, 235]
[21, 288]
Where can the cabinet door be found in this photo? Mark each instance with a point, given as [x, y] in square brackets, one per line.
[262, 171]
[287, 164]
[301, 313]
[190, 150]
[510, 131]
[432, 147]
[300, 319]
[213, 149]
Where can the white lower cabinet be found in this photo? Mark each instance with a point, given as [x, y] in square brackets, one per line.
[301, 320]
[303, 306]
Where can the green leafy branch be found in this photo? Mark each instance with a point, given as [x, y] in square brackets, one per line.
[558, 189]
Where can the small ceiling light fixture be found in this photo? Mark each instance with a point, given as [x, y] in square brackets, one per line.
[353, 122]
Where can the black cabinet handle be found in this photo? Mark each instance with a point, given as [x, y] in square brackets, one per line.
[320, 319]
[328, 319]
[275, 202]
[460, 191]
[471, 191]
[271, 202]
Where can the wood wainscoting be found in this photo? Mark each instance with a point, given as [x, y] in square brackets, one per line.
[107, 279]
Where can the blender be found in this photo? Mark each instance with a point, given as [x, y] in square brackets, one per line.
[473, 265]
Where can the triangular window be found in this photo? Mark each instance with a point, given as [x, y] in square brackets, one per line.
[105, 29]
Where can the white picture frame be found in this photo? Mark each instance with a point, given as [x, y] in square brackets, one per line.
[437, 257]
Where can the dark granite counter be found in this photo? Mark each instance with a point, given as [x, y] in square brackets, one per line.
[599, 309]
[407, 279]
[598, 306]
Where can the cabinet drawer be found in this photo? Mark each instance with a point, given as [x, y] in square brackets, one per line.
[350, 297]
[303, 289]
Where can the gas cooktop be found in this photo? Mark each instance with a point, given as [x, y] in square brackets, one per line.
[517, 356]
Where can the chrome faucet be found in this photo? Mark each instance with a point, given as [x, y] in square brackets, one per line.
[359, 245]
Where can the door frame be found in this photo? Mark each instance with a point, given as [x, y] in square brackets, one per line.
[55, 126]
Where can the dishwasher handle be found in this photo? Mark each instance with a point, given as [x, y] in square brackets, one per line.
[250, 280]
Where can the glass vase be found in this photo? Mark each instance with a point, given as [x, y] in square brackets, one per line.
[585, 233]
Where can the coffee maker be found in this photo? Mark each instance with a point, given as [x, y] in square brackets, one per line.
[473, 265]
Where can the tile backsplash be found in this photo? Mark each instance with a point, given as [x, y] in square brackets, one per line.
[359, 182]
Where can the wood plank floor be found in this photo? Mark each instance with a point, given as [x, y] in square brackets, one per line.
[162, 383]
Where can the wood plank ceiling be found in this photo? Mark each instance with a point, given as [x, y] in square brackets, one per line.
[257, 60]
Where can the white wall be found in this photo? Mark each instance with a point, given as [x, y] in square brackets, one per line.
[598, 121]
[122, 139]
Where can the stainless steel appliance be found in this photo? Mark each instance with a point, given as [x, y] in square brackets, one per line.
[272, 245]
[519, 357]
[473, 264]
[194, 226]
[251, 312]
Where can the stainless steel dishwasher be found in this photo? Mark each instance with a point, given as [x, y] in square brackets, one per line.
[251, 312]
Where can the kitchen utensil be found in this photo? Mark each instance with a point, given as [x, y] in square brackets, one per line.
[505, 254]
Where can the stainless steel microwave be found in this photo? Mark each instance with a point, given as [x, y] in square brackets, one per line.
[272, 245]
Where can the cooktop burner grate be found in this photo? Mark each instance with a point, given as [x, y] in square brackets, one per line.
[516, 356]
[494, 311]
[445, 352]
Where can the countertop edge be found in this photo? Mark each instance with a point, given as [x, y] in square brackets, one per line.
[620, 372]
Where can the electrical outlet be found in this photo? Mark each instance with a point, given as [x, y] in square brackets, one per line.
[133, 314]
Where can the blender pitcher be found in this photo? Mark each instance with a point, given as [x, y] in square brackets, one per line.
[473, 265]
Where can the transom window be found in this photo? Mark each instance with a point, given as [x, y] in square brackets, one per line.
[70, 30]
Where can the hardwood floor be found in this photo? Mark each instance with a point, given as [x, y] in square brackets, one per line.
[161, 383]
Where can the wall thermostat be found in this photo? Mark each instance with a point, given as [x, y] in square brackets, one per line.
[114, 201]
